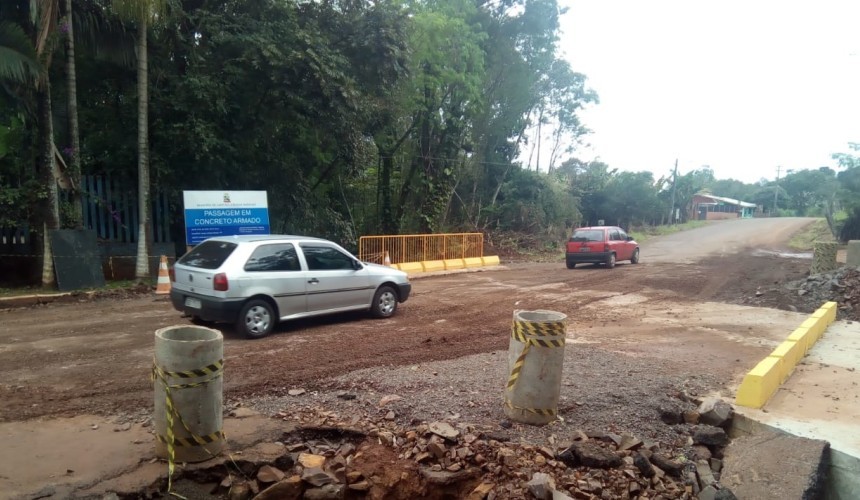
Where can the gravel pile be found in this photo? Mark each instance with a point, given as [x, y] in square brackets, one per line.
[841, 285]
[601, 391]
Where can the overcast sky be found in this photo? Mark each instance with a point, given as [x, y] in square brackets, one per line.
[742, 86]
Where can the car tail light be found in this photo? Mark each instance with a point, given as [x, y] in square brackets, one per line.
[606, 247]
[172, 273]
[219, 283]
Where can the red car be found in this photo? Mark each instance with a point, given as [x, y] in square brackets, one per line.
[601, 245]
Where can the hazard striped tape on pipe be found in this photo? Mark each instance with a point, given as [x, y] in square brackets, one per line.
[549, 335]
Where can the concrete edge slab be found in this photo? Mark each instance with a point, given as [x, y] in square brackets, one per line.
[760, 383]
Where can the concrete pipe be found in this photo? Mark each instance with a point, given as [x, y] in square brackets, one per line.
[852, 257]
[535, 360]
[823, 257]
[188, 372]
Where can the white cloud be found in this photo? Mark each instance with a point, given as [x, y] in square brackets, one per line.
[742, 86]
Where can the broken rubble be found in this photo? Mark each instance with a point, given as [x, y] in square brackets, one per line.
[241, 491]
[706, 476]
[317, 477]
[714, 411]
[644, 466]
[710, 436]
[268, 474]
[310, 461]
[327, 492]
[541, 486]
[444, 477]
[481, 491]
[629, 443]
[360, 486]
[671, 467]
[444, 429]
[589, 454]
[287, 489]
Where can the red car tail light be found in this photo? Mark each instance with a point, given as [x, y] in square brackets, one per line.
[172, 273]
[606, 247]
[220, 283]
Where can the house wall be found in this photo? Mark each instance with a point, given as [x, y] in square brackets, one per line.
[722, 215]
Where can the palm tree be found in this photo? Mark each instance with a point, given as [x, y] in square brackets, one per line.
[71, 80]
[25, 61]
[144, 13]
[18, 61]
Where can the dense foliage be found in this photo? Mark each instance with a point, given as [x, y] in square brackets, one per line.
[397, 116]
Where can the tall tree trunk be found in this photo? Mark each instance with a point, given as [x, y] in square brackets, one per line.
[388, 224]
[49, 212]
[75, 173]
[141, 271]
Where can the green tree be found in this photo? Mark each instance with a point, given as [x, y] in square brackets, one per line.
[18, 59]
[72, 103]
[849, 192]
[20, 67]
[143, 13]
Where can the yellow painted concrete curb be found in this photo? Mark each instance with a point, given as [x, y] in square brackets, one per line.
[763, 380]
[454, 264]
[492, 260]
[474, 261]
[433, 265]
[427, 266]
[411, 267]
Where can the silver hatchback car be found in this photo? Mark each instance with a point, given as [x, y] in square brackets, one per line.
[256, 281]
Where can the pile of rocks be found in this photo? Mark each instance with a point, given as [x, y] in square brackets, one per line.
[327, 458]
[841, 285]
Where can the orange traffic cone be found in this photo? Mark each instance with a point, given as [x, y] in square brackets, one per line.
[163, 285]
[386, 261]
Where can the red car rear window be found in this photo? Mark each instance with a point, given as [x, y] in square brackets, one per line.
[583, 235]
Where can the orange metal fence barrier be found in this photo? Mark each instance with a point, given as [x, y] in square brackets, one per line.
[420, 247]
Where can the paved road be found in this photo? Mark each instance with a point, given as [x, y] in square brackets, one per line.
[723, 238]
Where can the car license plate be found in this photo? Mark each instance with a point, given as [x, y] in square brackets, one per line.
[193, 303]
[584, 249]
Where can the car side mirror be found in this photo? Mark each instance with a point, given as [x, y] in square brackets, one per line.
[629, 238]
[357, 265]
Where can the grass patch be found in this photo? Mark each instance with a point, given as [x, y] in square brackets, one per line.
[817, 231]
[643, 234]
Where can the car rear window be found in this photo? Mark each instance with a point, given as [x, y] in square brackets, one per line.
[208, 255]
[584, 235]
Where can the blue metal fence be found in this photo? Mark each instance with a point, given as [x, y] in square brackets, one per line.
[109, 207]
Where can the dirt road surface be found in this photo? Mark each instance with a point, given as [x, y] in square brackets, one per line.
[672, 315]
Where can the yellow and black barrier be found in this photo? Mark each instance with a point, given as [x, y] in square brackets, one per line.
[187, 375]
[172, 415]
[534, 383]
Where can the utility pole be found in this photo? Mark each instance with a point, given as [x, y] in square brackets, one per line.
[674, 183]
[776, 188]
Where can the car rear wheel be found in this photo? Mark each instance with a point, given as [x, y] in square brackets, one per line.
[384, 302]
[610, 262]
[635, 258]
[256, 320]
[571, 265]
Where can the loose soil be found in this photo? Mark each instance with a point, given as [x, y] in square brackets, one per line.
[674, 326]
